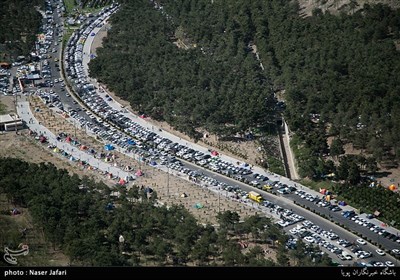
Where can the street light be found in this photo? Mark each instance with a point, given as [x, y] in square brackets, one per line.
[168, 177]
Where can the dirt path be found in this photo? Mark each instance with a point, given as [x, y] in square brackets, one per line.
[169, 188]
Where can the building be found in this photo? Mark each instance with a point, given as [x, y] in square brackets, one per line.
[10, 122]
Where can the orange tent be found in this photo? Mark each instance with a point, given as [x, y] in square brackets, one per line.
[392, 187]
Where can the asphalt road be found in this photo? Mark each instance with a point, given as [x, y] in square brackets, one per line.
[281, 201]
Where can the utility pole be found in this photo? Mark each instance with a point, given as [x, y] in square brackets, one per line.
[219, 199]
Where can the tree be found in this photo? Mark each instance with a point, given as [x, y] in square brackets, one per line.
[336, 148]
[228, 219]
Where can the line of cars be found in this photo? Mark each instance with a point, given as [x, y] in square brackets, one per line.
[146, 138]
[150, 144]
[4, 81]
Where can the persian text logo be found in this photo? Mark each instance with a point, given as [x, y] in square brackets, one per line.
[9, 255]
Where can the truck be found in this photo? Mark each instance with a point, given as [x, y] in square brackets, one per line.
[255, 196]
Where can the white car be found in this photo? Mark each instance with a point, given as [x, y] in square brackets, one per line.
[309, 239]
[361, 241]
[389, 263]
[396, 251]
[380, 252]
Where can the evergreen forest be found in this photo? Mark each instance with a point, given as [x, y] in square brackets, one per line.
[19, 24]
[224, 65]
[84, 220]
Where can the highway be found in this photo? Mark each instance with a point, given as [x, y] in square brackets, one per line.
[285, 201]
[388, 244]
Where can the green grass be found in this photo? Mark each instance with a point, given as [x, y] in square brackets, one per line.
[68, 33]
[92, 10]
[316, 185]
[2, 108]
[275, 165]
[69, 5]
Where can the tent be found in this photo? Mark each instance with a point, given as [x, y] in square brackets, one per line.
[323, 191]
[128, 168]
[109, 147]
[330, 175]
[139, 173]
[83, 147]
[342, 203]
[42, 139]
[198, 206]
[148, 190]
[122, 182]
[215, 153]
[184, 195]
[72, 158]
[56, 150]
[392, 187]
[110, 206]
[74, 142]
[153, 163]
[68, 139]
[129, 178]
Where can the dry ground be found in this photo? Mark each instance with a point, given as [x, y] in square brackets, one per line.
[21, 146]
[333, 6]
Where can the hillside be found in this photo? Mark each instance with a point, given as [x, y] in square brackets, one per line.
[337, 6]
[337, 73]
[94, 228]
[19, 24]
